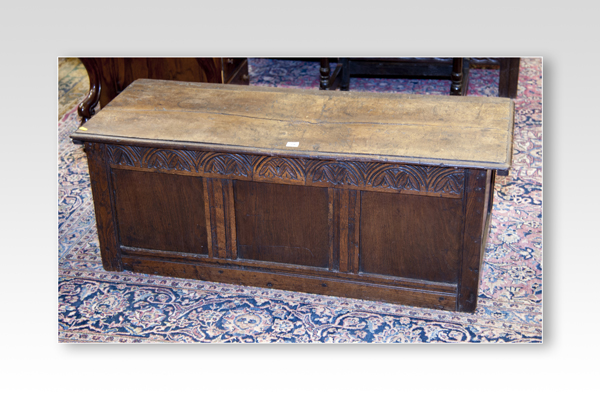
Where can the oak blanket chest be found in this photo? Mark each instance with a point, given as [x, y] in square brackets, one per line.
[375, 196]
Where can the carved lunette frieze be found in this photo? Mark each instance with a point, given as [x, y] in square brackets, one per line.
[387, 177]
[210, 163]
[434, 181]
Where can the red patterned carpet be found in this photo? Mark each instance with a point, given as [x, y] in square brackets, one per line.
[98, 306]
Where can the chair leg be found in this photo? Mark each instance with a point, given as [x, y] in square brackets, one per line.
[509, 77]
[87, 108]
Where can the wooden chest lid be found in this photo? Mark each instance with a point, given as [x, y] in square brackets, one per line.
[418, 129]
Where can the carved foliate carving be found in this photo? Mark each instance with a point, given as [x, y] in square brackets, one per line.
[393, 177]
[181, 160]
[399, 177]
[427, 180]
[227, 164]
[279, 168]
[122, 155]
[443, 180]
[338, 173]
[169, 160]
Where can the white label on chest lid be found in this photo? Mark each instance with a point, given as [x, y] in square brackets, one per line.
[292, 144]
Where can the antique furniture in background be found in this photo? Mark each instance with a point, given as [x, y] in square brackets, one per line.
[376, 196]
[110, 76]
[454, 69]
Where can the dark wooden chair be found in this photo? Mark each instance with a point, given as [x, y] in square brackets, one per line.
[110, 76]
[454, 69]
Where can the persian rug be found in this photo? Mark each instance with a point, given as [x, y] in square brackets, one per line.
[122, 307]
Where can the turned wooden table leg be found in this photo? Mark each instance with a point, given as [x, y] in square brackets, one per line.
[456, 88]
[325, 71]
[87, 107]
[459, 77]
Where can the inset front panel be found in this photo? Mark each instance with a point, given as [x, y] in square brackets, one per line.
[282, 223]
[416, 237]
[160, 211]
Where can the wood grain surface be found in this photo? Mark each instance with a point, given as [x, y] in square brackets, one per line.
[429, 130]
[282, 223]
[410, 236]
[160, 211]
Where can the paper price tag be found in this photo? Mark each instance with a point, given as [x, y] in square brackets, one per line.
[292, 144]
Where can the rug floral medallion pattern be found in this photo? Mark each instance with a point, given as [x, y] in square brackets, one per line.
[123, 307]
